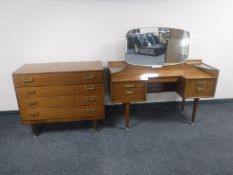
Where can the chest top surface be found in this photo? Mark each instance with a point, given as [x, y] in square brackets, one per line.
[60, 67]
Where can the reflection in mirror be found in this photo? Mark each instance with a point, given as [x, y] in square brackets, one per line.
[156, 46]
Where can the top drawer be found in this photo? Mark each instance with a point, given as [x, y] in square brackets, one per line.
[130, 84]
[57, 78]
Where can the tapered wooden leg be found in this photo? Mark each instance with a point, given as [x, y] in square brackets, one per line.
[35, 129]
[195, 104]
[94, 124]
[126, 114]
[182, 104]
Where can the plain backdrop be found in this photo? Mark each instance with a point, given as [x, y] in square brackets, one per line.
[33, 31]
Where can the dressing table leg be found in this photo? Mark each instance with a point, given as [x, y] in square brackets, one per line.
[195, 103]
[126, 114]
[182, 104]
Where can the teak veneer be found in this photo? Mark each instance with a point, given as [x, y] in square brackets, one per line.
[59, 92]
[131, 83]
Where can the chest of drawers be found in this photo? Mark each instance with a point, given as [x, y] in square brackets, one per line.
[59, 92]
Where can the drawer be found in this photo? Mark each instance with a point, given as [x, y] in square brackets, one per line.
[63, 113]
[43, 79]
[48, 91]
[200, 88]
[128, 94]
[60, 101]
[131, 84]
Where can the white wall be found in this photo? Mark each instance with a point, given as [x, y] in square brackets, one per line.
[78, 30]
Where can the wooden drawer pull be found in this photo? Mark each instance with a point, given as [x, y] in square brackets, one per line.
[90, 110]
[28, 92]
[33, 114]
[91, 99]
[129, 85]
[129, 92]
[29, 80]
[88, 76]
[89, 87]
[32, 102]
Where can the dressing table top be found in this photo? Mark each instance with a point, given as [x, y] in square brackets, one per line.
[121, 71]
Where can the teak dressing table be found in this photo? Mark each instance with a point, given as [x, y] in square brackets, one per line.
[131, 83]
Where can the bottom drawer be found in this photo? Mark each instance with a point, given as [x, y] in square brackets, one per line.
[63, 113]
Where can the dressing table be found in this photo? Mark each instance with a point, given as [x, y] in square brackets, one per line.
[156, 61]
[131, 83]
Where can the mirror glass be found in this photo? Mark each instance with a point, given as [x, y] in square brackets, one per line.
[156, 46]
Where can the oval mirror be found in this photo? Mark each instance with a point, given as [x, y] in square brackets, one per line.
[156, 46]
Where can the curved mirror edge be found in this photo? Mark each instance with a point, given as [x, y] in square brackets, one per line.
[156, 46]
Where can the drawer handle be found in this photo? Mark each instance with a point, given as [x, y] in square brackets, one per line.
[89, 87]
[129, 85]
[88, 77]
[90, 110]
[129, 92]
[200, 82]
[28, 92]
[33, 114]
[199, 89]
[91, 99]
[31, 102]
[29, 80]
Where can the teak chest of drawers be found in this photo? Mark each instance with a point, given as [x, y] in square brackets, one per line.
[59, 92]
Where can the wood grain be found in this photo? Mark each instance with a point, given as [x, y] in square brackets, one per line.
[60, 101]
[63, 112]
[60, 92]
[45, 79]
[131, 83]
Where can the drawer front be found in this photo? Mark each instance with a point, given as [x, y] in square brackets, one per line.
[128, 91]
[48, 91]
[200, 88]
[22, 80]
[60, 101]
[128, 95]
[129, 85]
[62, 113]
